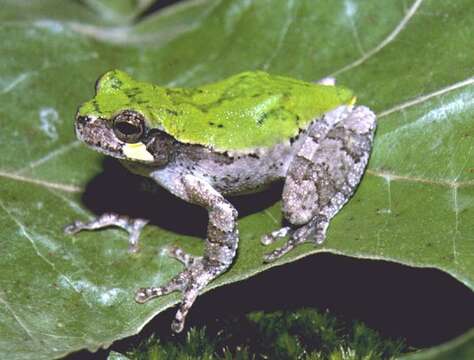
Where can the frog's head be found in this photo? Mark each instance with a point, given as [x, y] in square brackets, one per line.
[117, 121]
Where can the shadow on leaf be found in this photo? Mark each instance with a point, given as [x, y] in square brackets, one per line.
[118, 190]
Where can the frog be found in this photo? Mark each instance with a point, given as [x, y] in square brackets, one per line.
[235, 136]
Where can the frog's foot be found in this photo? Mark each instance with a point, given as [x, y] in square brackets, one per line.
[275, 235]
[198, 273]
[314, 231]
[179, 254]
[132, 226]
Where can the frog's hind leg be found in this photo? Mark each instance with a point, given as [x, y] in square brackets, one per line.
[323, 175]
[220, 250]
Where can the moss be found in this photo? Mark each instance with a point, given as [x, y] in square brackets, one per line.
[302, 334]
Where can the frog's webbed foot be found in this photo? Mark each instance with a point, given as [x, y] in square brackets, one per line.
[197, 274]
[132, 226]
[314, 231]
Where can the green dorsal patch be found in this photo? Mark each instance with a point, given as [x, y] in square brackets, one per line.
[244, 111]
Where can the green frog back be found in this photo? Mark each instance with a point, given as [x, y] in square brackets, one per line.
[243, 112]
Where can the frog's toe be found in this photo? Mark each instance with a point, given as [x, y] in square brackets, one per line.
[279, 252]
[189, 282]
[314, 231]
[188, 299]
[275, 235]
[145, 294]
[74, 227]
[179, 283]
[179, 254]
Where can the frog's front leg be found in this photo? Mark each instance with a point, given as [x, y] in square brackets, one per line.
[220, 250]
[132, 226]
[323, 175]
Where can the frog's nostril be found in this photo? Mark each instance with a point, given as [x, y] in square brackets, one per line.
[82, 120]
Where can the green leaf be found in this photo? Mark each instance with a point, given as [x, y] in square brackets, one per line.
[118, 12]
[460, 348]
[116, 356]
[410, 61]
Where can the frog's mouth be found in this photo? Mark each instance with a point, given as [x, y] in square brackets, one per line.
[98, 134]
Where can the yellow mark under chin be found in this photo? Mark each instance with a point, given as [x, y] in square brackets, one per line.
[137, 151]
[353, 100]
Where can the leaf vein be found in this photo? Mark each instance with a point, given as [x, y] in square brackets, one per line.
[44, 183]
[423, 98]
[25, 233]
[392, 36]
[51, 155]
[18, 320]
[269, 214]
[417, 179]
[27, 74]
[456, 223]
[283, 34]
[13, 84]
[350, 10]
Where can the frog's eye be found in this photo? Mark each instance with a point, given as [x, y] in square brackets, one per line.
[129, 126]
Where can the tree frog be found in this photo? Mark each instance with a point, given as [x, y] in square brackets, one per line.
[234, 136]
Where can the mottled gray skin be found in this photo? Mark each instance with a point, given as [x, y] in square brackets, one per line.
[321, 169]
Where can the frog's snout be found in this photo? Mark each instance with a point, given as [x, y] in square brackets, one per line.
[80, 124]
[82, 120]
[97, 133]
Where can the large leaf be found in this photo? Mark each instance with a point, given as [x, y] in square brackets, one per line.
[411, 61]
[460, 348]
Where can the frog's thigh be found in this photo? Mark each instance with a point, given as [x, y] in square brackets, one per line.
[329, 165]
